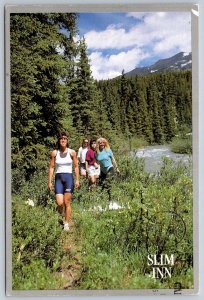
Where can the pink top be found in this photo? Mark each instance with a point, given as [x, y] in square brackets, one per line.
[90, 158]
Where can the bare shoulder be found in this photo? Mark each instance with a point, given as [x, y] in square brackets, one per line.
[72, 152]
[53, 153]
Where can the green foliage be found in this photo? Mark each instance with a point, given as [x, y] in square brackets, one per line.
[153, 107]
[51, 91]
[182, 145]
[123, 144]
[155, 217]
[36, 244]
[34, 276]
[39, 98]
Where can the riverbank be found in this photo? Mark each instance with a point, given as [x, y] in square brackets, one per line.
[153, 156]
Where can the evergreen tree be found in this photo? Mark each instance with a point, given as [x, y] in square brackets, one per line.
[111, 102]
[38, 95]
[155, 112]
[143, 127]
[124, 102]
[85, 98]
[52, 88]
[153, 106]
[169, 108]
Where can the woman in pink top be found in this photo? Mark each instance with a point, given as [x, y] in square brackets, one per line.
[92, 167]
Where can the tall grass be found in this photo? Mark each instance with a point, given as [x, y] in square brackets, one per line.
[155, 217]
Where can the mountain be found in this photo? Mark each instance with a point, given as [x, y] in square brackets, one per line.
[180, 61]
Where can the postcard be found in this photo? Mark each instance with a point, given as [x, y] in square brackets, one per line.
[102, 150]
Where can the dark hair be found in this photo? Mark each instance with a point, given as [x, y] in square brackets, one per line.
[60, 135]
[92, 141]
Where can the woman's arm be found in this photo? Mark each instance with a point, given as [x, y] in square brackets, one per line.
[51, 169]
[76, 167]
[87, 165]
[87, 161]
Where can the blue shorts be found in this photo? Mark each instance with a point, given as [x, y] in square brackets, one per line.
[64, 183]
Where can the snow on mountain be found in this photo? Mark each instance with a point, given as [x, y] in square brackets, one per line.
[180, 61]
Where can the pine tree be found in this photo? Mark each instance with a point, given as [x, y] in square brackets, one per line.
[124, 102]
[155, 112]
[143, 126]
[85, 97]
[169, 107]
[111, 101]
[37, 91]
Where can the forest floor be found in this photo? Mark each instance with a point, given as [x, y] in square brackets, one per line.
[71, 268]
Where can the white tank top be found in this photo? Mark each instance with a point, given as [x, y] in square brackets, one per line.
[63, 162]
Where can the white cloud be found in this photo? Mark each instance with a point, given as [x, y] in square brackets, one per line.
[159, 33]
[168, 31]
[104, 67]
[111, 38]
[155, 28]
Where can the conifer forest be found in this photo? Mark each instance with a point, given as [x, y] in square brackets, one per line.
[52, 89]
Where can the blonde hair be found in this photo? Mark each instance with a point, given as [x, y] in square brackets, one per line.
[101, 139]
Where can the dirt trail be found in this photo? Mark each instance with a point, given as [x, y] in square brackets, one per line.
[70, 271]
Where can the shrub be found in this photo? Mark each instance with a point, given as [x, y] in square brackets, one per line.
[182, 145]
[35, 240]
[156, 217]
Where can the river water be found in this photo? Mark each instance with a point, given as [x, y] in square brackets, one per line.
[153, 156]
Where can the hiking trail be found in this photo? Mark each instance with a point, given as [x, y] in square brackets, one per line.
[71, 268]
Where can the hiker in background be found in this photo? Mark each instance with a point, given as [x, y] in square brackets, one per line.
[61, 162]
[92, 167]
[82, 157]
[104, 156]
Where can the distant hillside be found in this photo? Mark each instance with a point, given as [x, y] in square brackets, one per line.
[180, 61]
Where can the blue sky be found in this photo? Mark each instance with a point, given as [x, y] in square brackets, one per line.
[118, 41]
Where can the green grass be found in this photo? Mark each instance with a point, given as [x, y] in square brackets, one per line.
[182, 145]
[114, 243]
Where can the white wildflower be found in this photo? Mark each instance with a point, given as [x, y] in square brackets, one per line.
[30, 202]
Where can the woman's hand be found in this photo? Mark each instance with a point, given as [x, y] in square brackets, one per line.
[50, 186]
[77, 184]
[96, 165]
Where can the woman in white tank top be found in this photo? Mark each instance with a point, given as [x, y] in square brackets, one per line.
[61, 161]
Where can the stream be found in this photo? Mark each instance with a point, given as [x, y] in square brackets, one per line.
[153, 156]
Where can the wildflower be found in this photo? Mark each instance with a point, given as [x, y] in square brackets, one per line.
[30, 202]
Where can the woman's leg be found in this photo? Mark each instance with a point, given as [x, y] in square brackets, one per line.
[109, 177]
[93, 179]
[67, 202]
[83, 170]
[92, 182]
[59, 193]
[60, 202]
